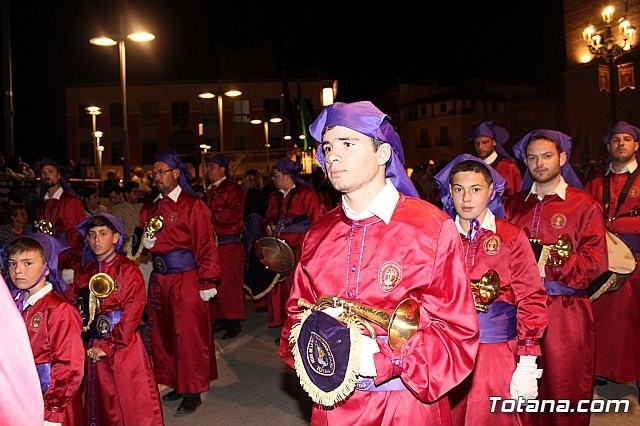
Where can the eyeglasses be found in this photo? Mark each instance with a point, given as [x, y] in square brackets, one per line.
[275, 175]
[153, 174]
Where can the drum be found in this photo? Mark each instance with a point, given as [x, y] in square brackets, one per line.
[622, 263]
[268, 263]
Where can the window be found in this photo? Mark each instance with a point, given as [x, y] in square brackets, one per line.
[241, 111]
[180, 114]
[84, 118]
[412, 113]
[424, 136]
[149, 114]
[116, 151]
[86, 150]
[149, 149]
[443, 107]
[272, 108]
[115, 115]
[444, 135]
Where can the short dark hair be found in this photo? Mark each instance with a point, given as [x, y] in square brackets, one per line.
[130, 186]
[252, 172]
[535, 136]
[471, 166]
[22, 244]
[99, 220]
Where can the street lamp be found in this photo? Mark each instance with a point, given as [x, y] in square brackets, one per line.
[99, 149]
[94, 111]
[205, 148]
[265, 124]
[119, 39]
[232, 93]
[604, 46]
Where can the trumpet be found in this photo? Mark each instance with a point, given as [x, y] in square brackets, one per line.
[400, 323]
[153, 226]
[101, 285]
[555, 254]
[487, 290]
[45, 226]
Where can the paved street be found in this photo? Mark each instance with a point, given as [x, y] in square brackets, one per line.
[256, 388]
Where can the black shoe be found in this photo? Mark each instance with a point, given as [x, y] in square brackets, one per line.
[172, 396]
[233, 329]
[600, 381]
[219, 325]
[189, 405]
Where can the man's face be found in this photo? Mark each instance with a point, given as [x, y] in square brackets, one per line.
[102, 241]
[20, 217]
[543, 160]
[115, 197]
[622, 148]
[470, 193]
[281, 180]
[484, 145]
[50, 176]
[215, 172]
[165, 178]
[250, 181]
[25, 269]
[351, 160]
[133, 196]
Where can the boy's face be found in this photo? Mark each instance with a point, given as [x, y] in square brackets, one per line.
[102, 241]
[470, 194]
[25, 269]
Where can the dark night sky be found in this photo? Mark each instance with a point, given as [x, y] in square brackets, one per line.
[365, 51]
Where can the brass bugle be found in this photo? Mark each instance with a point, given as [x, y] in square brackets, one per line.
[488, 288]
[101, 285]
[153, 226]
[563, 247]
[45, 226]
[400, 323]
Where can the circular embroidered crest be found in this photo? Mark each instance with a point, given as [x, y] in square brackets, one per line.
[492, 245]
[558, 221]
[389, 276]
[36, 321]
[173, 217]
[633, 192]
[319, 355]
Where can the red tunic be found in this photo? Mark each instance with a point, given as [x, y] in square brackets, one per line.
[354, 260]
[568, 347]
[54, 328]
[226, 202]
[510, 171]
[179, 321]
[65, 214]
[305, 203]
[617, 314]
[509, 253]
[124, 389]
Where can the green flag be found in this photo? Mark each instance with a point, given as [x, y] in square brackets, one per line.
[305, 119]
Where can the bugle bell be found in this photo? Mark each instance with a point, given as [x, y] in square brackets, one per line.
[45, 226]
[487, 289]
[400, 323]
[153, 226]
[101, 285]
[555, 254]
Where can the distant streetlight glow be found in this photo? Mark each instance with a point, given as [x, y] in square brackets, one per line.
[232, 93]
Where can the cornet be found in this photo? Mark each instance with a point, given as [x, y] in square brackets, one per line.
[401, 323]
[555, 254]
[101, 285]
[45, 226]
[153, 226]
[487, 290]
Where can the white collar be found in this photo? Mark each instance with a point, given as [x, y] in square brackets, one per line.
[56, 195]
[33, 298]
[174, 194]
[491, 158]
[383, 205]
[560, 191]
[488, 223]
[630, 167]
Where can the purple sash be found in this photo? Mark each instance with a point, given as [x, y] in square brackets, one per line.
[366, 384]
[556, 288]
[103, 324]
[298, 225]
[229, 239]
[498, 324]
[44, 374]
[633, 241]
[174, 262]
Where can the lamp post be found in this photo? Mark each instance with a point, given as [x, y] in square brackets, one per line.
[94, 111]
[99, 149]
[267, 144]
[604, 46]
[205, 148]
[119, 39]
[232, 93]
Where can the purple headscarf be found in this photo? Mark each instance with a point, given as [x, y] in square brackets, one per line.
[564, 144]
[622, 127]
[171, 159]
[290, 167]
[220, 160]
[52, 248]
[443, 178]
[115, 221]
[492, 130]
[365, 118]
[63, 182]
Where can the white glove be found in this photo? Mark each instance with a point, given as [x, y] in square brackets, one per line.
[523, 381]
[334, 312]
[148, 243]
[207, 295]
[67, 275]
[48, 423]
[368, 347]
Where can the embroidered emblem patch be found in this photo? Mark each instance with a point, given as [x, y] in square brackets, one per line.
[492, 245]
[173, 217]
[558, 221]
[389, 276]
[36, 321]
[319, 355]
[633, 192]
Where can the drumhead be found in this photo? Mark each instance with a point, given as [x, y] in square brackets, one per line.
[275, 254]
[621, 258]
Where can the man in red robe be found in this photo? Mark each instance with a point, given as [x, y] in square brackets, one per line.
[617, 313]
[186, 271]
[226, 200]
[383, 246]
[554, 205]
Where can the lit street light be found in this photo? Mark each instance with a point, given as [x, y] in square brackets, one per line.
[94, 111]
[232, 93]
[267, 144]
[604, 46]
[99, 149]
[139, 37]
